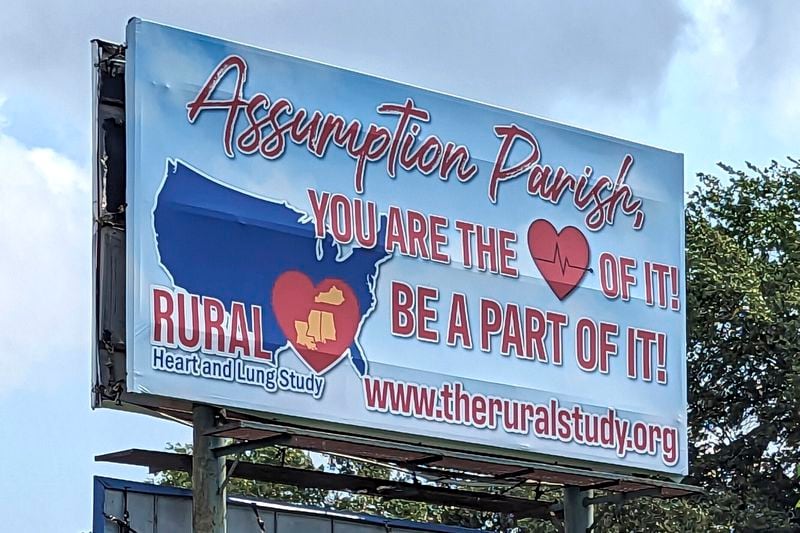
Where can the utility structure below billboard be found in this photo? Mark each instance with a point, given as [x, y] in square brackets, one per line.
[148, 508]
[343, 255]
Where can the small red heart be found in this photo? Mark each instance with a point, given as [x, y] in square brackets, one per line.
[561, 256]
[319, 322]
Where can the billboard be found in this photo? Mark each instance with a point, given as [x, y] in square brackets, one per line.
[309, 242]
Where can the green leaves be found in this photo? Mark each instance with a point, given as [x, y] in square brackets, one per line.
[743, 288]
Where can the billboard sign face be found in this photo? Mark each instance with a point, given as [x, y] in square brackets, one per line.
[311, 242]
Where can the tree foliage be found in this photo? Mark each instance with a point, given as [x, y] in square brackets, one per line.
[743, 255]
[743, 306]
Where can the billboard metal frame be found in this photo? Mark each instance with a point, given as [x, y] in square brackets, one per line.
[102, 485]
[254, 430]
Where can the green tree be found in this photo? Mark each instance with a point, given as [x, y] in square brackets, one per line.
[743, 254]
[743, 305]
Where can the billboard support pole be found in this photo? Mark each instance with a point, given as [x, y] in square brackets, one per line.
[578, 515]
[208, 475]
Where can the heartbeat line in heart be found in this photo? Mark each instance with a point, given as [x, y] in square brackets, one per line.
[563, 263]
[563, 271]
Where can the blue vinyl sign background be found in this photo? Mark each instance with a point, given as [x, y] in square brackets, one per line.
[312, 242]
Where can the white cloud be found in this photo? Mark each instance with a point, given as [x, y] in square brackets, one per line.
[45, 237]
[521, 54]
[741, 56]
[787, 98]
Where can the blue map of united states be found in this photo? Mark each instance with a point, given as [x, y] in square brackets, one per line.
[217, 241]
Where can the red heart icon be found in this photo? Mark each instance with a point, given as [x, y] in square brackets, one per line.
[561, 256]
[319, 322]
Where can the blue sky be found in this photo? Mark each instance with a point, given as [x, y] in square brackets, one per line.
[714, 79]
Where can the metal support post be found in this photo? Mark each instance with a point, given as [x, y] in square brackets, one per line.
[578, 518]
[208, 475]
